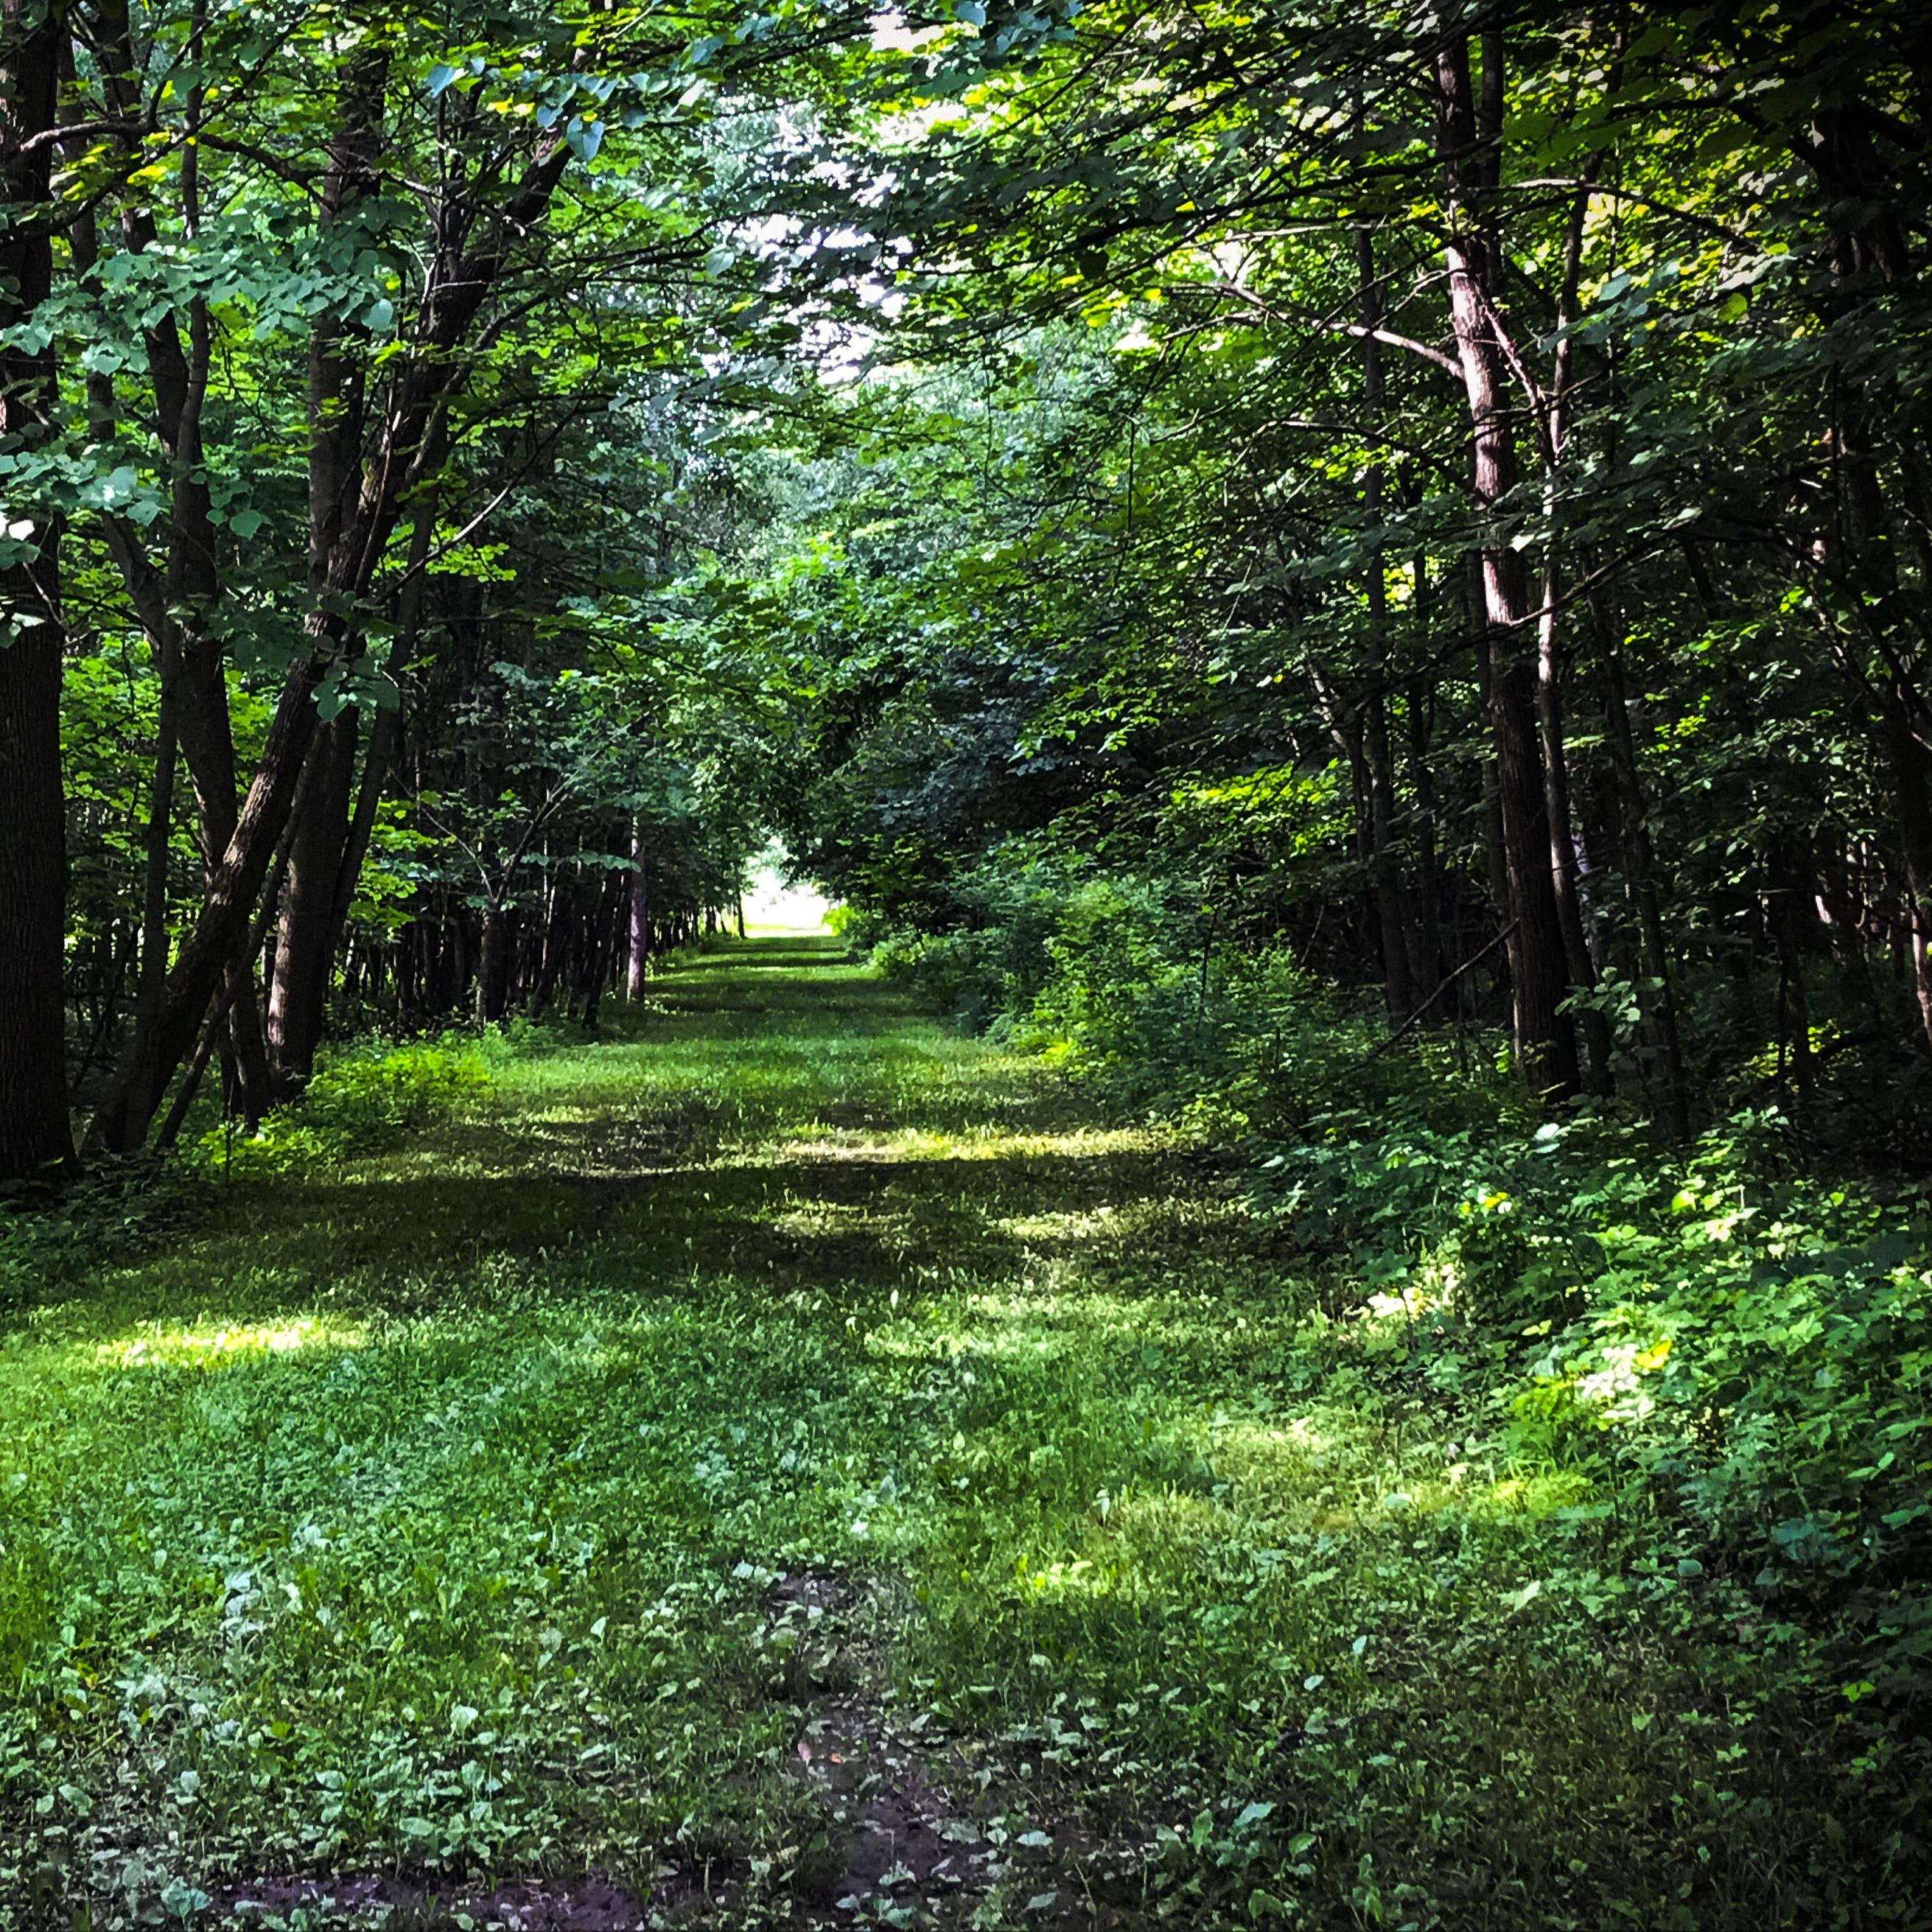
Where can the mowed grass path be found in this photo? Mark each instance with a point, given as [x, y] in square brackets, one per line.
[517, 1504]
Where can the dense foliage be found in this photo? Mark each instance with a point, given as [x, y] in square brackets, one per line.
[1354, 583]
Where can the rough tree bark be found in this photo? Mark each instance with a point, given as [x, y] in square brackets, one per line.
[1467, 143]
[35, 1137]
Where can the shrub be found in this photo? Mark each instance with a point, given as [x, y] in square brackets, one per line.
[121, 1210]
[1732, 1357]
[360, 1100]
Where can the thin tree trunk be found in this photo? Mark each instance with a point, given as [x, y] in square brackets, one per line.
[197, 1064]
[1392, 918]
[640, 912]
[150, 984]
[1427, 961]
[1592, 1027]
[1658, 1001]
[493, 968]
[1494, 866]
[1544, 1040]
[608, 914]
[1912, 790]
[1784, 896]
[305, 941]
[211, 946]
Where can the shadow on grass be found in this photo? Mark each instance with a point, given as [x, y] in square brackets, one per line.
[865, 1149]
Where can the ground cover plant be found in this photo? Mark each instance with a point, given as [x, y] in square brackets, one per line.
[1325, 1321]
[561, 1490]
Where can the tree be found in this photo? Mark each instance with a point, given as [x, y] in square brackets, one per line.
[34, 1136]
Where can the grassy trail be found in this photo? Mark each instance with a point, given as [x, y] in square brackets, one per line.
[792, 1465]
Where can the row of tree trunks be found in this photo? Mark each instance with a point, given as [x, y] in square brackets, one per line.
[1544, 843]
[338, 410]
[1869, 261]
[365, 465]
[587, 938]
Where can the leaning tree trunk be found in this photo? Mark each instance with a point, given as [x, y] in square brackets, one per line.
[177, 602]
[353, 508]
[306, 936]
[220, 930]
[35, 1137]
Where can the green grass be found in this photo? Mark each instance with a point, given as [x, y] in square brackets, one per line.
[419, 1513]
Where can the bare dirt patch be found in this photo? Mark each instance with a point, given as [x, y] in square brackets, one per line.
[921, 1828]
[912, 1827]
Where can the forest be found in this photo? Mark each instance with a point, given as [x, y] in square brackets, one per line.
[965, 964]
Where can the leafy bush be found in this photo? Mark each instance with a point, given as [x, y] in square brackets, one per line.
[1722, 1360]
[1741, 1349]
[997, 959]
[360, 1101]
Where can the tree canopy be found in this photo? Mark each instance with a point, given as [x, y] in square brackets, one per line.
[1360, 573]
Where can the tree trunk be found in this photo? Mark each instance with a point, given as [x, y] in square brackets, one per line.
[1659, 1003]
[1911, 788]
[211, 946]
[1786, 893]
[493, 968]
[177, 603]
[640, 967]
[1427, 960]
[1545, 1042]
[306, 936]
[151, 986]
[1392, 917]
[36, 1139]
[1592, 1026]
[608, 912]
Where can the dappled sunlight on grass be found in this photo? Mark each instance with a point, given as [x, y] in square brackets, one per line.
[982, 1143]
[160, 1345]
[781, 1275]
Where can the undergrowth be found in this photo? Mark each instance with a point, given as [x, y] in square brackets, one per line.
[362, 1099]
[1714, 1363]
[1419, 1521]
